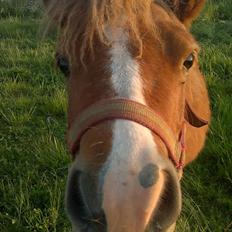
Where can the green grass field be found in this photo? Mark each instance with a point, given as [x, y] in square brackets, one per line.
[33, 158]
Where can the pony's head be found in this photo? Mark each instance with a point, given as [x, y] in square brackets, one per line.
[135, 62]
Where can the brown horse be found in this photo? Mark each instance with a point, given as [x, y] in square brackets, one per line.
[138, 109]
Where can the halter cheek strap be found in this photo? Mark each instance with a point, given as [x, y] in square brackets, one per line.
[125, 109]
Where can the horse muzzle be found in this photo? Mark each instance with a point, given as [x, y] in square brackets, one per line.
[135, 192]
[148, 199]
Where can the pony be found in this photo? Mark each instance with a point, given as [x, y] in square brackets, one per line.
[138, 109]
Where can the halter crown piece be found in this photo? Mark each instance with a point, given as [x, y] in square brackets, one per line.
[111, 109]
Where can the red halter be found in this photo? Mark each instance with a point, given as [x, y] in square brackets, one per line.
[126, 109]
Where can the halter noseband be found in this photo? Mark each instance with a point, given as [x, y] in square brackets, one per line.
[126, 109]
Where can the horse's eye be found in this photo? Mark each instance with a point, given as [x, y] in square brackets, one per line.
[188, 63]
[63, 64]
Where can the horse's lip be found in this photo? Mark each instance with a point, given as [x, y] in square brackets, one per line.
[93, 224]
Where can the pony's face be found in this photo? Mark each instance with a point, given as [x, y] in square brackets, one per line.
[122, 179]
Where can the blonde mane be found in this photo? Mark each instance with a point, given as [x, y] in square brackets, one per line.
[84, 20]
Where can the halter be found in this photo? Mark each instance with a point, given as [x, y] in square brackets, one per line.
[126, 109]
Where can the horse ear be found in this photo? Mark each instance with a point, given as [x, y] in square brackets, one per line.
[186, 10]
[192, 117]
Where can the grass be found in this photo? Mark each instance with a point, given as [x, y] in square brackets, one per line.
[33, 158]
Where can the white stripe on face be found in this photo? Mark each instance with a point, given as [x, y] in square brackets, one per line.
[129, 138]
[133, 146]
[126, 79]
[131, 141]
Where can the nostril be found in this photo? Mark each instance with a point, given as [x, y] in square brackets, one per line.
[74, 202]
[82, 204]
[169, 206]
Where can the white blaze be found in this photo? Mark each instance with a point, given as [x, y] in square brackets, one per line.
[133, 146]
[132, 143]
[125, 78]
